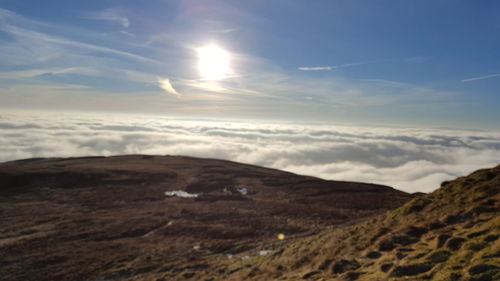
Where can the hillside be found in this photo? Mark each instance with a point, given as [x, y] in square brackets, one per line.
[144, 217]
[450, 234]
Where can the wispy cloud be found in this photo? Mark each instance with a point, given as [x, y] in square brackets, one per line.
[315, 68]
[331, 67]
[21, 32]
[210, 86]
[110, 15]
[481, 77]
[30, 73]
[227, 88]
[39, 53]
[165, 84]
[130, 34]
[227, 30]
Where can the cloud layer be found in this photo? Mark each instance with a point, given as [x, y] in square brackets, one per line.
[409, 159]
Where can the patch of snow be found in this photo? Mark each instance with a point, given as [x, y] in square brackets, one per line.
[229, 256]
[245, 257]
[243, 190]
[149, 234]
[181, 193]
[196, 247]
[264, 252]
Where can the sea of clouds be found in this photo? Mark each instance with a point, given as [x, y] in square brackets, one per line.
[409, 159]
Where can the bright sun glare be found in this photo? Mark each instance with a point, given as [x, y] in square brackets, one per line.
[213, 63]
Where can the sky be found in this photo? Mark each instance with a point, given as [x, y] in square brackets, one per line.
[403, 93]
[417, 63]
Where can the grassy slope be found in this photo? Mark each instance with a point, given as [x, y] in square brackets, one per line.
[450, 234]
[107, 218]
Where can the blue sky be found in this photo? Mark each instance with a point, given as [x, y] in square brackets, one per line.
[425, 63]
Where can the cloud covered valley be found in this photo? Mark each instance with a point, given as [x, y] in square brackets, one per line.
[410, 159]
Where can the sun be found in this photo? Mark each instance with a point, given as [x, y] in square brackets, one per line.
[213, 62]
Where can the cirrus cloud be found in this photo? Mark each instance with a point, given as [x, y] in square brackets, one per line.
[481, 77]
[314, 68]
